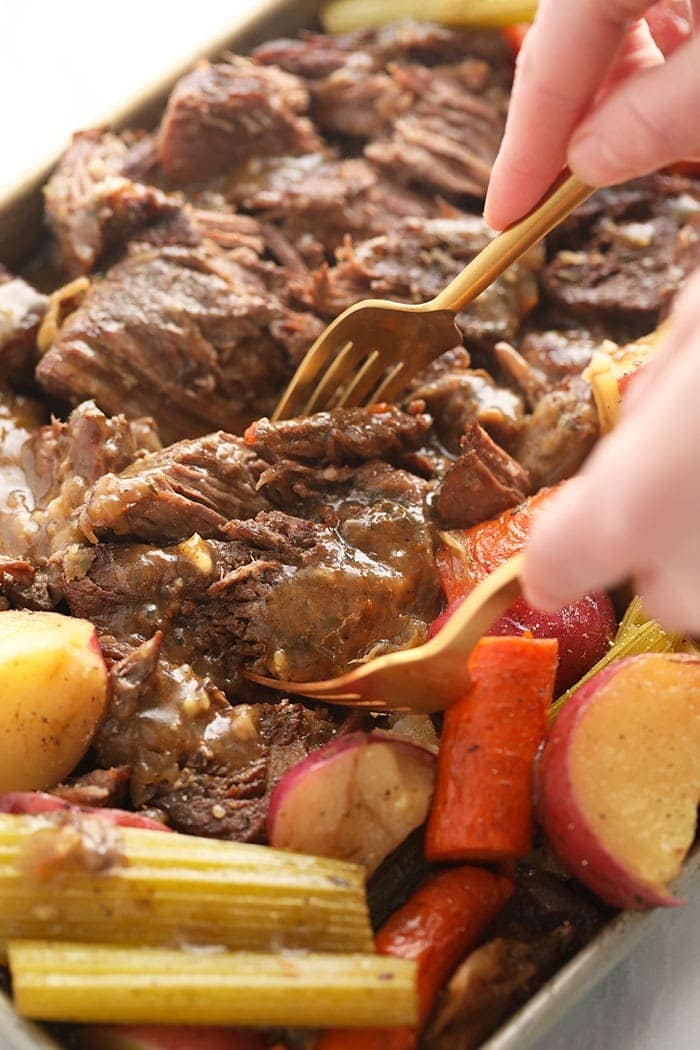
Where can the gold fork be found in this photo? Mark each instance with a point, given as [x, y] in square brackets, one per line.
[375, 347]
[429, 677]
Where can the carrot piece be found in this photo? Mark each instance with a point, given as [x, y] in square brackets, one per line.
[437, 927]
[468, 555]
[482, 807]
[514, 36]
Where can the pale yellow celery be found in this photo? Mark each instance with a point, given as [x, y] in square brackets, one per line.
[342, 16]
[178, 889]
[95, 983]
[635, 635]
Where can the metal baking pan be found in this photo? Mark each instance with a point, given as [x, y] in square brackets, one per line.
[20, 232]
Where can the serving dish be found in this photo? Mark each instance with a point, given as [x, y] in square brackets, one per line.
[19, 231]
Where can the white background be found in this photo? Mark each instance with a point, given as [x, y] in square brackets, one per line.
[66, 64]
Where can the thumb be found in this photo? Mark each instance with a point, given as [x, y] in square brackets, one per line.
[646, 122]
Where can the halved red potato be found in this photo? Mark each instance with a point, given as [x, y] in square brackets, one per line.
[53, 693]
[619, 778]
[355, 799]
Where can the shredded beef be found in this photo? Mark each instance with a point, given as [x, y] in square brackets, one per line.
[416, 259]
[192, 486]
[93, 205]
[345, 436]
[19, 419]
[99, 787]
[557, 437]
[449, 137]
[483, 481]
[22, 309]
[556, 354]
[221, 113]
[627, 262]
[191, 336]
[455, 394]
[317, 199]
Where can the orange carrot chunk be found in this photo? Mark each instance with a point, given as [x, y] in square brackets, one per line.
[482, 807]
[437, 927]
[466, 556]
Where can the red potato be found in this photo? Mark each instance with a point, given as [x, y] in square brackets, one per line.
[584, 631]
[355, 799]
[36, 803]
[619, 778]
[158, 1037]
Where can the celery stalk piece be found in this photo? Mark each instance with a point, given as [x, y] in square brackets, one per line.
[635, 635]
[342, 16]
[96, 983]
[170, 890]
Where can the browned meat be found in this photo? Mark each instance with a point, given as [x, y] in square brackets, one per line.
[19, 417]
[191, 336]
[557, 437]
[556, 354]
[455, 395]
[631, 257]
[21, 311]
[356, 87]
[416, 259]
[315, 55]
[93, 205]
[192, 486]
[99, 787]
[483, 481]
[448, 138]
[316, 200]
[221, 113]
[343, 437]
[264, 597]
[63, 460]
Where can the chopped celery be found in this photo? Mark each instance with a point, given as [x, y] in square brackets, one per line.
[342, 16]
[55, 981]
[635, 635]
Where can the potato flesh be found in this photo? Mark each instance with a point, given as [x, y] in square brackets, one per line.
[635, 765]
[53, 691]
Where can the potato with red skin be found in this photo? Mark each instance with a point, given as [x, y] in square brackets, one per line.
[355, 799]
[618, 780]
[583, 629]
[160, 1037]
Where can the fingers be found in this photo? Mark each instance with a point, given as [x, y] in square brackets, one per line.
[564, 60]
[634, 510]
[653, 108]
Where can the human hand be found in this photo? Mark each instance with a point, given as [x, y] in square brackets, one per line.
[634, 510]
[592, 89]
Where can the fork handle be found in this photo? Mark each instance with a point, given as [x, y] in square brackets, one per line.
[560, 200]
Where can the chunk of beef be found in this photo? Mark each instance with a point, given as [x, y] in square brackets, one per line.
[557, 437]
[345, 436]
[64, 459]
[358, 99]
[21, 311]
[316, 55]
[99, 787]
[192, 486]
[557, 354]
[93, 202]
[416, 259]
[629, 264]
[207, 766]
[483, 482]
[455, 394]
[449, 137]
[316, 200]
[284, 596]
[221, 113]
[191, 336]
